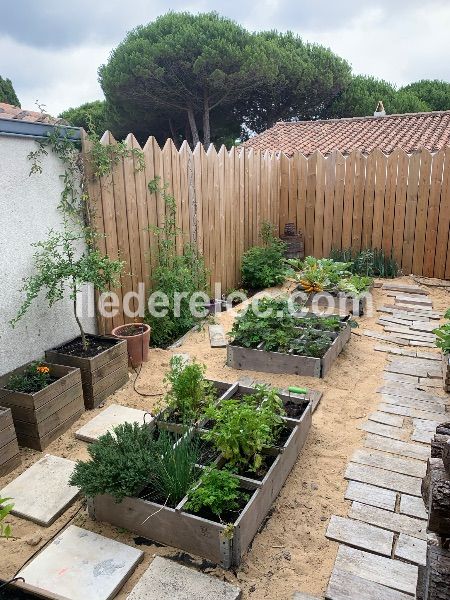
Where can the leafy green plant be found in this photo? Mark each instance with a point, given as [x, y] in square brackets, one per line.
[355, 285]
[243, 428]
[371, 262]
[217, 492]
[442, 334]
[5, 508]
[58, 264]
[318, 274]
[190, 392]
[174, 273]
[120, 465]
[264, 266]
[34, 378]
[313, 344]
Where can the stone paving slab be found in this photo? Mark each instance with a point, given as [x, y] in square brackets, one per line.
[371, 494]
[167, 580]
[396, 447]
[383, 478]
[411, 550]
[383, 460]
[388, 520]
[217, 338]
[42, 492]
[345, 585]
[80, 565]
[413, 507]
[109, 418]
[386, 418]
[385, 571]
[360, 535]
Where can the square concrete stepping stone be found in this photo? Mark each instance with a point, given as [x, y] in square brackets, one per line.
[344, 585]
[411, 550]
[42, 492]
[80, 565]
[413, 507]
[167, 580]
[360, 535]
[384, 571]
[108, 419]
[388, 520]
[396, 447]
[386, 419]
[371, 494]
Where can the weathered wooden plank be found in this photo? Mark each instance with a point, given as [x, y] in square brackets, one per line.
[360, 535]
[404, 288]
[371, 494]
[385, 571]
[396, 447]
[386, 419]
[411, 549]
[389, 520]
[383, 478]
[411, 402]
[419, 435]
[400, 378]
[409, 392]
[391, 320]
[419, 299]
[407, 411]
[382, 460]
[422, 326]
[387, 338]
[412, 368]
[345, 585]
[394, 350]
[413, 507]
[394, 433]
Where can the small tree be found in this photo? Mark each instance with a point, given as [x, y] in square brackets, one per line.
[57, 266]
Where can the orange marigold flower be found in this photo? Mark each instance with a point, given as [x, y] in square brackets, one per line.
[43, 369]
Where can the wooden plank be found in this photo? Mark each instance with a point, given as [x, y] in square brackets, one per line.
[385, 571]
[380, 189]
[338, 205]
[389, 202]
[411, 402]
[411, 550]
[383, 478]
[369, 197]
[419, 299]
[433, 213]
[400, 378]
[284, 191]
[371, 494]
[396, 351]
[398, 390]
[310, 204]
[413, 507]
[400, 205]
[406, 411]
[347, 215]
[345, 585]
[389, 520]
[383, 460]
[386, 419]
[330, 181]
[386, 338]
[404, 288]
[320, 206]
[396, 447]
[302, 174]
[358, 200]
[360, 535]
[440, 257]
[410, 213]
[391, 320]
[384, 430]
[422, 211]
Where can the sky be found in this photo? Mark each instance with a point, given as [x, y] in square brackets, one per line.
[51, 49]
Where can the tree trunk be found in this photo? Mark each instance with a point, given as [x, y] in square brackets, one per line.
[206, 123]
[193, 125]
[80, 326]
[173, 133]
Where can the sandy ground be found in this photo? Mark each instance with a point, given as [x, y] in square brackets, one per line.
[291, 552]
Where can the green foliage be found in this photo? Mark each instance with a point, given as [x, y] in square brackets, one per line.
[218, 492]
[92, 116]
[5, 508]
[120, 465]
[435, 93]
[34, 378]
[182, 273]
[7, 92]
[58, 263]
[243, 427]
[442, 334]
[264, 266]
[369, 262]
[104, 157]
[355, 285]
[190, 392]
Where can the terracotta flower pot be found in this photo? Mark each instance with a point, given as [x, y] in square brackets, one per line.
[137, 336]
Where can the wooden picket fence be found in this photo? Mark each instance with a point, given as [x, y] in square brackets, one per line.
[400, 203]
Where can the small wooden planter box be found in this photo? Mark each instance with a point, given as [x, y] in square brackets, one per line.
[102, 374]
[221, 544]
[9, 448]
[280, 362]
[42, 417]
[446, 371]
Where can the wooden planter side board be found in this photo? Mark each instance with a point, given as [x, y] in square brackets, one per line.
[101, 375]
[41, 417]
[344, 304]
[9, 448]
[201, 537]
[280, 362]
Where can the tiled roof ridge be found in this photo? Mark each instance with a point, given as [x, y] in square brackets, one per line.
[368, 117]
[16, 113]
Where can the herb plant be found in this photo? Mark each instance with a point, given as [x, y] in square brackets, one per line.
[34, 378]
[369, 262]
[5, 508]
[173, 272]
[190, 392]
[442, 334]
[218, 492]
[264, 266]
[243, 428]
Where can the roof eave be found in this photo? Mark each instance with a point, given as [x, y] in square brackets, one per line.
[29, 129]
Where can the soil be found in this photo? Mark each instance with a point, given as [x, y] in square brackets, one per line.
[132, 330]
[294, 410]
[96, 346]
[291, 552]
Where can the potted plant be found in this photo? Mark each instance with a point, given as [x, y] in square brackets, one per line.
[45, 399]
[137, 336]
[442, 334]
[103, 361]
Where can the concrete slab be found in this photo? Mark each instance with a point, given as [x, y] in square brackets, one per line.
[110, 417]
[42, 492]
[217, 337]
[80, 565]
[167, 580]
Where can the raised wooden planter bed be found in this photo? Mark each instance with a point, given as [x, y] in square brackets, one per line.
[253, 359]
[446, 371]
[102, 374]
[9, 448]
[41, 417]
[223, 544]
[344, 304]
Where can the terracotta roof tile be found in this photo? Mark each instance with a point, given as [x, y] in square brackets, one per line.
[8, 111]
[409, 131]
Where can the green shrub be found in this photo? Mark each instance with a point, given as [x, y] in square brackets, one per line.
[33, 379]
[369, 262]
[5, 508]
[355, 285]
[218, 492]
[443, 335]
[264, 266]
